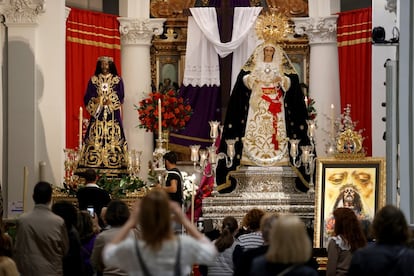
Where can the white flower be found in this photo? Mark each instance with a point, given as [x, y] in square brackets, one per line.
[188, 182]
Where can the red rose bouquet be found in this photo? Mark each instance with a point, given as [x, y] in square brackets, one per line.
[175, 111]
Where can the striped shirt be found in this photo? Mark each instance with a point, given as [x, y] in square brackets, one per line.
[251, 240]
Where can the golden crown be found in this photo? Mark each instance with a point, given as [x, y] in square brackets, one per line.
[272, 27]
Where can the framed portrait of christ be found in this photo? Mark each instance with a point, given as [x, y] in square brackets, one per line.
[358, 184]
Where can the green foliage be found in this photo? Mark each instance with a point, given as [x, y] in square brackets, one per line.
[119, 187]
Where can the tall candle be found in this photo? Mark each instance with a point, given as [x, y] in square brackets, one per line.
[332, 121]
[159, 120]
[80, 126]
[42, 169]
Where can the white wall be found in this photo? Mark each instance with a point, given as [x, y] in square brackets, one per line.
[50, 59]
[380, 53]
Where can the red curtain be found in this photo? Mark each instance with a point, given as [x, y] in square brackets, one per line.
[89, 35]
[354, 50]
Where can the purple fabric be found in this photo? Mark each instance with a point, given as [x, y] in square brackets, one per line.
[205, 102]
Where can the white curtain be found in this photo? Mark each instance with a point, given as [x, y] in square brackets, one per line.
[203, 45]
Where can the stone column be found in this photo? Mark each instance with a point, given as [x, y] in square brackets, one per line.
[323, 73]
[136, 36]
[25, 84]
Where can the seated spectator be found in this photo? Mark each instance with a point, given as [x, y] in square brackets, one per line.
[225, 244]
[159, 251]
[243, 259]
[254, 237]
[72, 261]
[289, 249]
[348, 237]
[389, 255]
[8, 267]
[117, 213]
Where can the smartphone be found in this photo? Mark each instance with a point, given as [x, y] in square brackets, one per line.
[91, 211]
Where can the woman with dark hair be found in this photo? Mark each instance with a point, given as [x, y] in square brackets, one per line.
[348, 238]
[253, 236]
[105, 145]
[158, 251]
[88, 228]
[225, 244]
[389, 255]
[72, 261]
[117, 213]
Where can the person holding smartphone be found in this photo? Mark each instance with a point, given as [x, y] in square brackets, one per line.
[92, 196]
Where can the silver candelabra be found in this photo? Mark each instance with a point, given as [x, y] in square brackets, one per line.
[202, 158]
[307, 158]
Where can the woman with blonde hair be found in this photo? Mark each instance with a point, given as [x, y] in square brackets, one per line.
[289, 249]
[158, 251]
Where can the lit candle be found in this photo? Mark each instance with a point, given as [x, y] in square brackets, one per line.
[230, 147]
[311, 128]
[214, 125]
[159, 120]
[212, 155]
[203, 157]
[80, 126]
[294, 143]
[306, 101]
[42, 169]
[332, 121]
[194, 152]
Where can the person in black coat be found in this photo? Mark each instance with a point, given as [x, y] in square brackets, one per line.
[390, 254]
[92, 194]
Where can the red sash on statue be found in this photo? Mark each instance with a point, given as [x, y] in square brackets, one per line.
[275, 106]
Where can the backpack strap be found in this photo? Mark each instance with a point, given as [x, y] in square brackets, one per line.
[141, 261]
[177, 266]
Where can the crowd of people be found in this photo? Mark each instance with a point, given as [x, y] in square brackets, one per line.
[61, 239]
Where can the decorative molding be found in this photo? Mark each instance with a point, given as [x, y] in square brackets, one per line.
[22, 11]
[391, 6]
[139, 31]
[319, 30]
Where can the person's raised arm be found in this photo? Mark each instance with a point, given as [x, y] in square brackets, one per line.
[180, 217]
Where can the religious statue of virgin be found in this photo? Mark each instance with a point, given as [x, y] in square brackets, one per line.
[265, 110]
[104, 143]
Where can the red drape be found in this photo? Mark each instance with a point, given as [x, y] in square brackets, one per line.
[89, 35]
[354, 50]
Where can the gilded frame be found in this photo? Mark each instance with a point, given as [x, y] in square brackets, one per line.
[297, 49]
[363, 179]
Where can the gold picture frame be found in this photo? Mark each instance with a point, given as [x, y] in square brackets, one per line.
[358, 184]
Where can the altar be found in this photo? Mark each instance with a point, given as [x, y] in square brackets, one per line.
[271, 189]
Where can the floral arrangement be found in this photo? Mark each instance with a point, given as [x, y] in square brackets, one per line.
[188, 187]
[175, 111]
